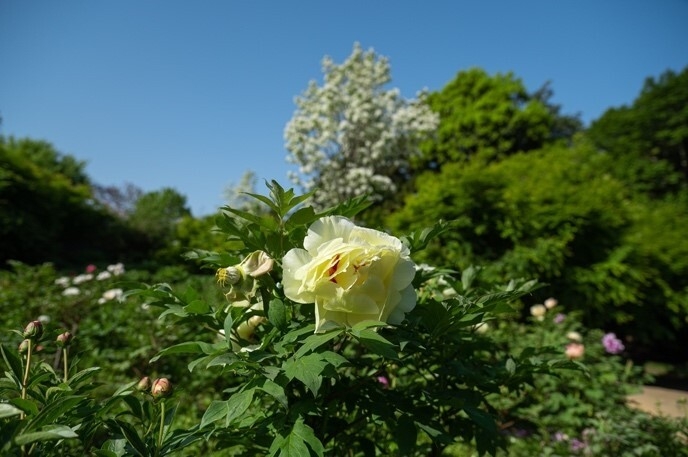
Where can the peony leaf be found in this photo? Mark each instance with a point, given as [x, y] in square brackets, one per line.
[316, 340]
[49, 433]
[308, 370]
[7, 410]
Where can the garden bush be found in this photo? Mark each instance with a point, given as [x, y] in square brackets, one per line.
[328, 340]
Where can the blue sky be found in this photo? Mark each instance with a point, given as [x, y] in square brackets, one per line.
[191, 94]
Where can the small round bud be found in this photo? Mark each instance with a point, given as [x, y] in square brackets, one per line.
[144, 384]
[574, 350]
[24, 346]
[34, 330]
[64, 339]
[574, 336]
[551, 303]
[161, 388]
[538, 312]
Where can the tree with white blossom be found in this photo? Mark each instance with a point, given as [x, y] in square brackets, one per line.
[352, 135]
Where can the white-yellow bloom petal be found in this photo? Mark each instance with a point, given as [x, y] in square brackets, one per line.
[351, 273]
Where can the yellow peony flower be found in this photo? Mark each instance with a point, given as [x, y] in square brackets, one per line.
[351, 273]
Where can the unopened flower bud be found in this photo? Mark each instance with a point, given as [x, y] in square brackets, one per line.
[144, 384]
[551, 303]
[229, 275]
[538, 311]
[248, 328]
[24, 346]
[574, 336]
[574, 350]
[34, 330]
[161, 388]
[64, 339]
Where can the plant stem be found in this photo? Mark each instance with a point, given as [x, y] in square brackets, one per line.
[26, 369]
[65, 365]
[26, 375]
[162, 425]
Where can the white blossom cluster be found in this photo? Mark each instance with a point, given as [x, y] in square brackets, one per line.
[69, 284]
[351, 136]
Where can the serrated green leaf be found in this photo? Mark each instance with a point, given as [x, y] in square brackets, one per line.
[349, 208]
[275, 390]
[226, 359]
[308, 370]
[358, 328]
[306, 434]
[49, 433]
[216, 410]
[303, 216]
[314, 341]
[229, 409]
[258, 220]
[333, 358]
[238, 404]
[197, 307]
[277, 313]
[264, 199]
[289, 446]
[377, 344]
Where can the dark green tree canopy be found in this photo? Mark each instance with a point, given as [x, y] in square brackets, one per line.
[157, 212]
[655, 126]
[491, 117]
[47, 213]
[560, 214]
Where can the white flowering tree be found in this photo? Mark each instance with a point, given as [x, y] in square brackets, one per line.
[353, 136]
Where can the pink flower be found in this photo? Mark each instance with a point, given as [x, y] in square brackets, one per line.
[384, 381]
[91, 268]
[612, 344]
[574, 350]
[162, 387]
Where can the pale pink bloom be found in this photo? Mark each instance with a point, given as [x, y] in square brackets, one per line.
[551, 303]
[538, 311]
[82, 278]
[574, 336]
[71, 291]
[63, 281]
[574, 350]
[116, 269]
[103, 275]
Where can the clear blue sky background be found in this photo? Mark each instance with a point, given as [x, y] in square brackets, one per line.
[191, 94]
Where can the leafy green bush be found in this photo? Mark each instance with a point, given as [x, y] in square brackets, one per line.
[301, 356]
[561, 216]
[580, 412]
